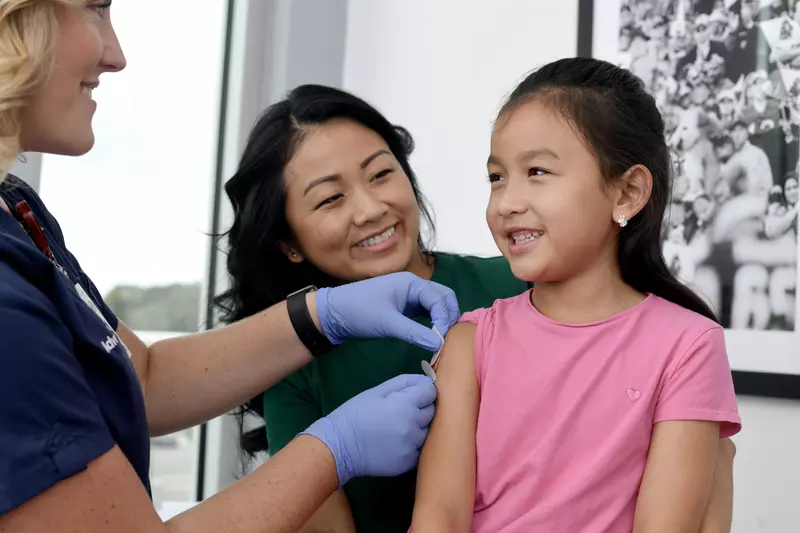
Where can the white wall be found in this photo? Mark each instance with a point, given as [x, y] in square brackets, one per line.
[441, 69]
[767, 467]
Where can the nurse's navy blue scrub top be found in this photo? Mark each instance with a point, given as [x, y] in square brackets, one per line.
[68, 390]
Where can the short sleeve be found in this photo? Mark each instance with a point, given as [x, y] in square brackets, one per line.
[289, 408]
[50, 422]
[473, 317]
[484, 322]
[701, 386]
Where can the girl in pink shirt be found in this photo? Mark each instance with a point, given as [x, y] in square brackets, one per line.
[596, 401]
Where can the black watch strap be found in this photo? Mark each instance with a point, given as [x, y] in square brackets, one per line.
[303, 324]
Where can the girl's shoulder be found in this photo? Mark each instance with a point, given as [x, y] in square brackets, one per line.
[680, 319]
[496, 327]
[503, 310]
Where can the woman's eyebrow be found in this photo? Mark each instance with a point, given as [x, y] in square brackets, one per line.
[336, 177]
[320, 181]
[372, 157]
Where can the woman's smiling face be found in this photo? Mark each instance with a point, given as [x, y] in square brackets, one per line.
[350, 204]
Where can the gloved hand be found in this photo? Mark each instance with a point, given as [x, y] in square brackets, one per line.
[379, 307]
[380, 431]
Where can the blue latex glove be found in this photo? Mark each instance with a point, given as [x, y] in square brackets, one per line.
[380, 431]
[379, 307]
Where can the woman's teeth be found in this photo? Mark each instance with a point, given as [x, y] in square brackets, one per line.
[522, 237]
[372, 241]
[86, 91]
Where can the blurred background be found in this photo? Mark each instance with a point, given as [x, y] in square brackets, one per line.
[171, 126]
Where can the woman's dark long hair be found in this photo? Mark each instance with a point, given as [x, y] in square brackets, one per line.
[260, 274]
[619, 120]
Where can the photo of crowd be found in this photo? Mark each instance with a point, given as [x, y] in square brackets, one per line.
[726, 77]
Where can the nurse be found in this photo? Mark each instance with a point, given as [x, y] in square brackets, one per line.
[80, 395]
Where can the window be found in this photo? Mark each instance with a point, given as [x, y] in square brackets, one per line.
[136, 210]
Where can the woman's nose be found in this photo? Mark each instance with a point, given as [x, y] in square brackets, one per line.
[369, 208]
[113, 59]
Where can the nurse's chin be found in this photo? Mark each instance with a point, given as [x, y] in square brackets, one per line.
[76, 145]
[80, 146]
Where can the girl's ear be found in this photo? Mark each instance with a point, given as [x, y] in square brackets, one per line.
[291, 251]
[633, 193]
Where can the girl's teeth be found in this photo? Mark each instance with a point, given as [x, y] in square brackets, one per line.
[372, 241]
[526, 237]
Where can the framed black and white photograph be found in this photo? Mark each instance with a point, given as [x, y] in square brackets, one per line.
[726, 77]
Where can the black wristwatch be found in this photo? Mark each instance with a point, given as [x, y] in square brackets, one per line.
[303, 324]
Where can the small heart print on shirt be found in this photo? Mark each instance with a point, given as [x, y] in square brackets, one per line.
[634, 394]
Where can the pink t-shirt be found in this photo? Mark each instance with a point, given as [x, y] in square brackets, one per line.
[567, 411]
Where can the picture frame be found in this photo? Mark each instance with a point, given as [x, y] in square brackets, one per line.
[763, 344]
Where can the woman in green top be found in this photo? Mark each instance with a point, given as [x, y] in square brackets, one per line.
[339, 172]
[324, 194]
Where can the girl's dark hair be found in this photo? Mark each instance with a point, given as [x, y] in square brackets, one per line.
[621, 124]
[260, 274]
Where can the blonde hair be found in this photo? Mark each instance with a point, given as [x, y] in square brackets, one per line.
[28, 35]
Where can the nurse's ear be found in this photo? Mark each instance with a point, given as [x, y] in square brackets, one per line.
[291, 252]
